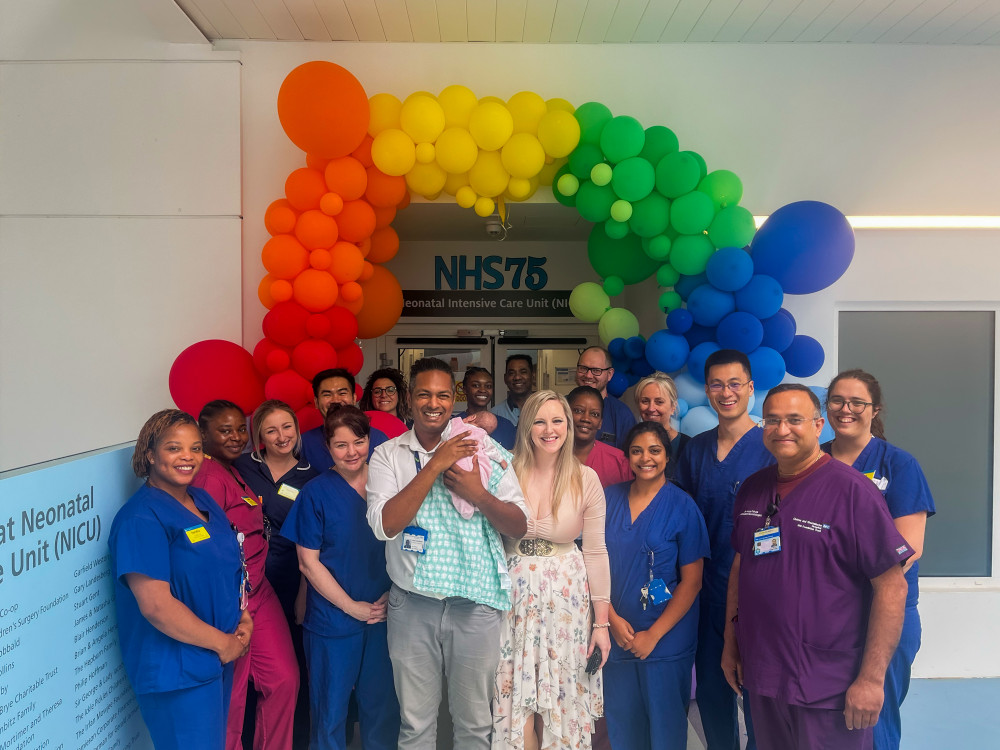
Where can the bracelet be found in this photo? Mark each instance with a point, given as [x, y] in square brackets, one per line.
[597, 625]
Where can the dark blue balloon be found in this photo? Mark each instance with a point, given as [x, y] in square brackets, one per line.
[779, 330]
[667, 351]
[741, 331]
[761, 297]
[617, 348]
[696, 360]
[679, 320]
[805, 245]
[729, 268]
[687, 284]
[709, 305]
[641, 368]
[699, 335]
[634, 347]
[767, 366]
[804, 357]
[618, 383]
[621, 365]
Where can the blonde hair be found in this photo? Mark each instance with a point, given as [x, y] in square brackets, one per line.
[662, 381]
[569, 477]
[257, 426]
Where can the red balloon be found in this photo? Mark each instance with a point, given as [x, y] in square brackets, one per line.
[268, 357]
[311, 356]
[285, 324]
[215, 369]
[290, 387]
[351, 358]
[318, 325]
[343, 327]
[323, 109]
[309, 418]
[390, 424]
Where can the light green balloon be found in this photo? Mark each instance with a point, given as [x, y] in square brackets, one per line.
[667, 275]
[588, 302]
[616, 230]
[732, 227]
[689, 253]
[617, 323]
[669, 300]
[692, 213]
[621, 210]
[568, 184]
[614, 285]
[601, 174]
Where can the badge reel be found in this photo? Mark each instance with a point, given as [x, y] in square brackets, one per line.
[246, 588]
[767, 541]
[655, 591]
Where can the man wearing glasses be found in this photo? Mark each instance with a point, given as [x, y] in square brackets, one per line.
[816, 591]
[711, 469]
[594, 369]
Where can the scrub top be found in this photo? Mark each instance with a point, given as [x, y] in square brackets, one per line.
[618, 420]
[899, 478]
[315, 451]
[713, 485]
[153, 534]
[667, 535]
[609, 463]
[505, 433]
[330, 516]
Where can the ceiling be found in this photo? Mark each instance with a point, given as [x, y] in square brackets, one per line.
[963, 22]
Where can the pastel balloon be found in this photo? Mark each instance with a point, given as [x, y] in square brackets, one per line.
[617, 322]
[699, 419]
[691, 389]
[588, 302]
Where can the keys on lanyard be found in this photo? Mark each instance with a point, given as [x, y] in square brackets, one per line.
[246, 588]
[644, 599]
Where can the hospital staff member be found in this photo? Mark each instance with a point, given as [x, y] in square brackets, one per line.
[177, 574]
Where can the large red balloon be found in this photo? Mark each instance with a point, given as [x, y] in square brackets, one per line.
[323, 109]
[390, 424]
[215, 369]
[285, 324]
[343, 327]
[290, 387]
[351, 358]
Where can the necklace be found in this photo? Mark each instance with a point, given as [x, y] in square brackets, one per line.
[817, 457]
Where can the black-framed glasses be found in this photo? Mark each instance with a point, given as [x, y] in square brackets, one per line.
[854, 405]
[734, 385]
[390, 390]
[595, 371]
[790, 421]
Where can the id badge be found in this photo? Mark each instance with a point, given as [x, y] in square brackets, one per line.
[415, 540]
[250, 501]
[196, 534]
[766, 541]
[658, 592]
[288, 492]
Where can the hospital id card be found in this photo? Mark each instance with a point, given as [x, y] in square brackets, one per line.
[766, 541]
[415, 540]
[250, 501]
[196, 534]
[287, 491]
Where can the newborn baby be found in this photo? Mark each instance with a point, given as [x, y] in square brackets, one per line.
[486, 451]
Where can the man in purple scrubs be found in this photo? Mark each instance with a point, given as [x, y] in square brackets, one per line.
[816, 592]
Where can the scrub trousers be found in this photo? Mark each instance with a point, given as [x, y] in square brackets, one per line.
[646, 703]
[716, 700]
[191, 718]
[784, 727]
[338, 664]
[897, 682]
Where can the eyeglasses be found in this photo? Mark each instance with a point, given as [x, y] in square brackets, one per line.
[790, 421]
[595, 371]
[855, 405]
[391, 390]
[734, 385]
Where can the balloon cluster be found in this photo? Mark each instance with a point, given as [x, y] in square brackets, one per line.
[479, 150]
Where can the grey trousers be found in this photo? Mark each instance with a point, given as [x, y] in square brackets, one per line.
[456, 637]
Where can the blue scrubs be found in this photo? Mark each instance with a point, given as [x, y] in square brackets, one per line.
[618, 420]
[646, 700]
[713, 485]
[344, 653]
[315, 451]
[156, 536]
[901, 481]
[505, 433]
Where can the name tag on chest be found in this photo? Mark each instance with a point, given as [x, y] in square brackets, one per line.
[196, 534]
[287, 491]
[766, 541]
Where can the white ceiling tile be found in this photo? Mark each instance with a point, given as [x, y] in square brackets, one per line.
[683, 20]
[712, 20]
[567, 20]
[538, 17]
[827, 20]
[742, 18]
[482, 20]
[423, 20]
[943, 21]
[796, 22]
[366, 20]
[596, 21]
[510, 20]
[395, 21]
[972, 19]
[845, 29]
[916, 19]
[769, 20]
[322, 20]
[199, 19]
[250, 19]
[654, 20]
[625, 21]
[222, 19]
[452, 20]
[278, 19]
[986, 31]
[884, 21]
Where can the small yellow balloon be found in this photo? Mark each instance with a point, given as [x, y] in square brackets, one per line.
[383, 113]
[425, 153]
[422, 118]
[527, 108]
[557, 104]
[487, 176]
[457, 102]
[426, 179]
[522, 155]
[559, 133]
[519, 188]
[455, 182]
[466, 197]
[456, 150]
[393, 152]
[485, 207]
[491, 125]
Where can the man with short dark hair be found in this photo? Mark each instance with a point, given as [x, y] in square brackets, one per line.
[595, 369]
[333, 386]
[816, 593]
[519, 377]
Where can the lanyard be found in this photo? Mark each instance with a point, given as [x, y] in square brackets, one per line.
[772, 510]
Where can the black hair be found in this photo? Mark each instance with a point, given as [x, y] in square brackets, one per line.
[871, 383]
[585, 390]
[525, 357]
[470, 371]
[728, 357]
[786, 387]
[212, 409]
[655, 428]
[402, 396]
[430, 364]
[336, 372]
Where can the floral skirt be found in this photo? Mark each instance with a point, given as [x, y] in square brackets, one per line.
[543, 655]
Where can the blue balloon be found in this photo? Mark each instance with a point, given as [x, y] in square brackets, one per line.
[682, 408]
[696, 360]
[804, 357]
[779, 330]
[621, 365]
[641, 368]
[826, 434]
[617, 348]
[741, 331]
[820, 392]
[679, 321]
[698, 420]
[761, 297]
[618, 384]
[709, 305]
[691, 390]
[757, 401]
[634, 347]
[667, 352]
[699, 335]
[729, 268]
[805, 245]
[767, 366]
[687, 284]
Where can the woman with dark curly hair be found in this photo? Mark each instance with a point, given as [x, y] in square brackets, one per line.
[386, 391]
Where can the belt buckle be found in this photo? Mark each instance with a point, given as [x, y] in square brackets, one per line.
[535, 547]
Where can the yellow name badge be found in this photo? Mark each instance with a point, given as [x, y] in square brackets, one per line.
[286, 490]
[250, 501]
[196, 534]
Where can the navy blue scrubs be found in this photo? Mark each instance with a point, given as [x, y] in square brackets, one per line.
[646, 700]
[317, 453]
[344, 653]
[618, 420]
[182, 690]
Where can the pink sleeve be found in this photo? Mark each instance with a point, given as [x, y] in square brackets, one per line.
[595, 553]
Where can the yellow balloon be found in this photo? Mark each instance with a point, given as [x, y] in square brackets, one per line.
[485, 207]
[491, 125]
[559, 104]
[425, 153]
[527, 108]
[393, 152]
[522, 155]
[384, 113]
[494, 99]
[456, 150]
[455, 182]
[518, 188]
[422, 118]
[457, 102]
[487, 176]
[559, 133]
[416, 94]
[466, 197]
[426, 179]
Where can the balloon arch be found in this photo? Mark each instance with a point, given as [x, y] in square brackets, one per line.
[657, 211]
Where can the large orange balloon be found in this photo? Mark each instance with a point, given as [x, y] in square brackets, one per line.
[384, 190]
[384, 216]
[315, 229]
[348, 262]
[383, 304]
[346, 177]
[304, 188]
[356, 221]
[323, 109]
[315, 290]
[284, 257]
[385, 245]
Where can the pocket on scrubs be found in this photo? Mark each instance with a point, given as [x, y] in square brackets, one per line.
[199, 665]
[827, 673]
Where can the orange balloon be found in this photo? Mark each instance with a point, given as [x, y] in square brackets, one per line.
[304, 188]
[384, 190]
[385, 245]
[365, 246]
[315, 290]
[384, 216]
[321, 259]
[405, 202]
[264, 292]
[366, 272]
[346, 177]
[353, 307]
[284, 257]
[356, 221]
[323, 109]
[279, 218]
[316, 162]
[315, 229]
[363, 153]
[351, 291]
[383, 304]
[348, 263]
[281, 290]
[331, 204]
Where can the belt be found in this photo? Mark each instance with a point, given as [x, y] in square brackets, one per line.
[539, 548]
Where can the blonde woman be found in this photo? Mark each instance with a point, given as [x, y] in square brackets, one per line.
[545, 697]
[656, 400]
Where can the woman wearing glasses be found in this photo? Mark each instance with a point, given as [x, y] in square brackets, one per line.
[854, 409]
[386, 391]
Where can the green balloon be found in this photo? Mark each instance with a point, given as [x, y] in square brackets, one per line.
[566, 200]
[621, 210]
[650, 216]
[616, 229]
[702, 166]
[723, 187]
[594, 202]
[689, 253]
[617, 323]
[614, 285]
[658, 248]
[622, 138]
[692, 213]
[633, 179]
[667, 275]
[592, 116]
[677, 174]
[583, 159]
[732, 227]
[601, 174]
[619, 257]
[669, 300]
[588, 302]
[660, 141]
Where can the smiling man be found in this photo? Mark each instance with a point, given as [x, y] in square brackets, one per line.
[594, 369]
[816, 592]
[334, 386]
[450, 584]
[519, 377]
